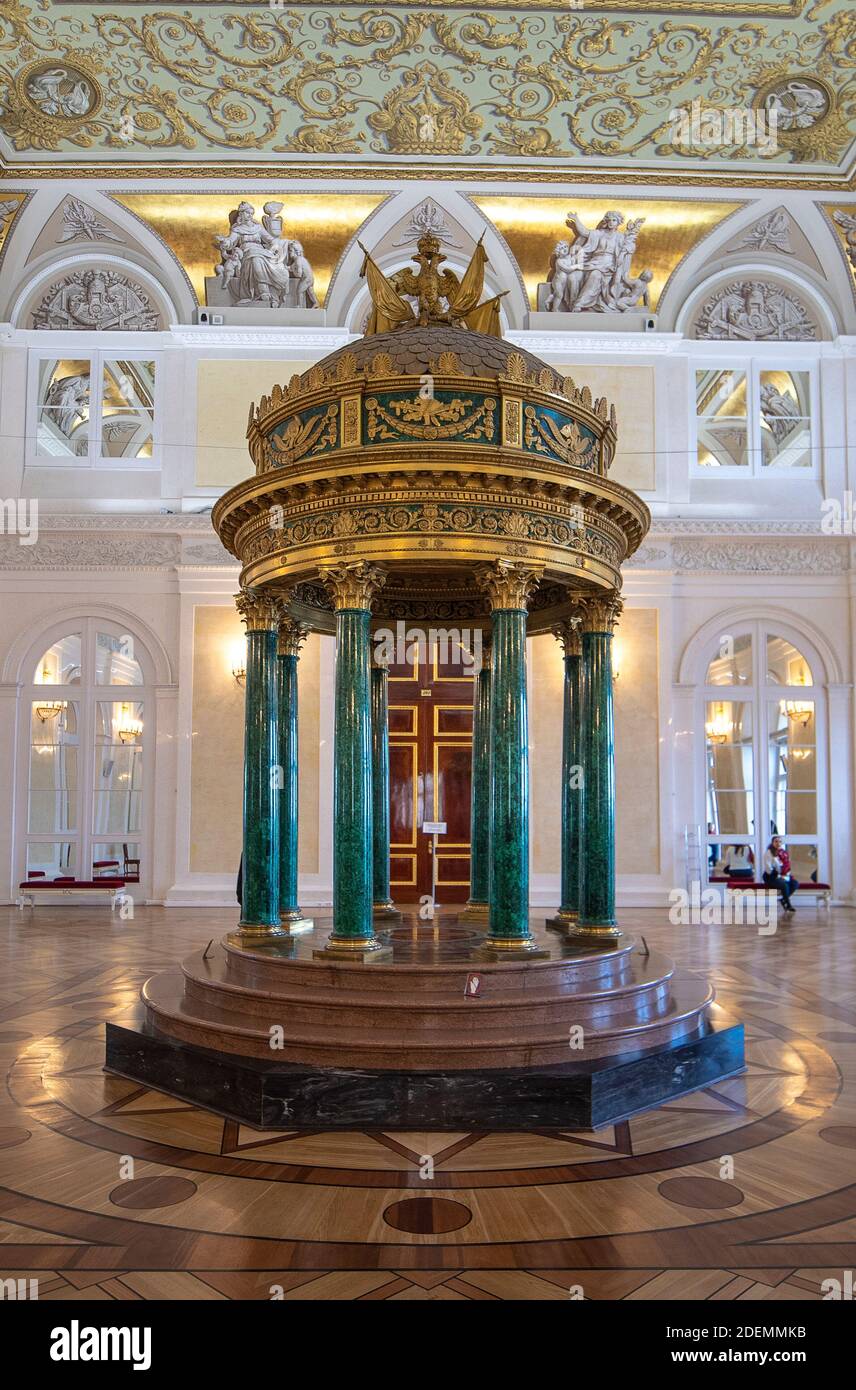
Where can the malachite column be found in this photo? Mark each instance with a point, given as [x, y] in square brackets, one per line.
[382, 904]
[292, 635]
[478, 904]
[509, 585]
[597, 810]
[352, 587]
[260, 880]
[567, 634]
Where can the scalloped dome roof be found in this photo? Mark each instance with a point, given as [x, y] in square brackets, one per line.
[416, 350]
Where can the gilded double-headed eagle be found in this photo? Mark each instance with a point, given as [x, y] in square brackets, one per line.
[439, 295]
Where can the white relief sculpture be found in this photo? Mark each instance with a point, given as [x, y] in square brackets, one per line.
[592, 274]
[797, 105]
[66, 402]
[847, 221]
[7, 209]
[259, 265]
[60, 92]
[771, 233]
[753, 310]
[80, 221]
[779, 409]
[427, 219]
[96, 299]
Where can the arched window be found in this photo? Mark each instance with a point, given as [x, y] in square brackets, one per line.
[763, 765]
[85, 757]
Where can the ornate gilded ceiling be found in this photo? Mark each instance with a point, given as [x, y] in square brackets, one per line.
[548, 91]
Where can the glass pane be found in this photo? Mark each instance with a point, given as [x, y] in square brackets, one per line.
[53, 766]
[722, 424]
[62, 427]
[737, 859]
[793, 813]
[58, 860]
[805, 863]
[785, 664]
[785, 419]
[127, 409]
[115, 662]
[60, 664]
[733, 664]
[120, 857]
[730, 801]
[118, 780]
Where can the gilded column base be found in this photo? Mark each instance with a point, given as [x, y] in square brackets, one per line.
[258, 933]
[364, 950]
[386, 910]
[294, 923]
[565, 920]
[594, 932]
[475, 912]
[497, 948]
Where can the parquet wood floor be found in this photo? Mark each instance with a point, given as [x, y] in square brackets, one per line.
[744, 1191]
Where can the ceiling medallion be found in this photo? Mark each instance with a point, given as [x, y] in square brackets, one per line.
[52, 100]
[807, 120]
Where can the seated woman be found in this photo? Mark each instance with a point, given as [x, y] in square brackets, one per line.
[777, 871]
[739, 861]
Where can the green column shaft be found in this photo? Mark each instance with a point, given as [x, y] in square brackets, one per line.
[509, 773]
[352, 783]
[480, 793]
[260, 896]
[287, 722]
[597, 823]
[571, 789]
[380, 785]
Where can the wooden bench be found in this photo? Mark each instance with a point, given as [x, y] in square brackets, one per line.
[822, 891]
[46, 888]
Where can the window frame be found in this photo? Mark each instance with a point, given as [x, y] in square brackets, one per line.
[87, 693]
[753, 367]
[94, 459]
[760, 695]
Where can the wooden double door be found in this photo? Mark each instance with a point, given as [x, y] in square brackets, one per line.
[430, 759]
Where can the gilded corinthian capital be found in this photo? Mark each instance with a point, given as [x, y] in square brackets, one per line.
[292, 635]
[353, 584]
[508, 583]
[600, 613]
[567, 633]
[259, 610]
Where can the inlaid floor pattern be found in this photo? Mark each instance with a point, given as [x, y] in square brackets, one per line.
[743, 1191]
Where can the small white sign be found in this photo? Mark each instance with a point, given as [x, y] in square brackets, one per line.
[434, 827]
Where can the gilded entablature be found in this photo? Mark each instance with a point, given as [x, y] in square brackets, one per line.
[527, 84]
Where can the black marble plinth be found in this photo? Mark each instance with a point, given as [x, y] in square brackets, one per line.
[574, 1095]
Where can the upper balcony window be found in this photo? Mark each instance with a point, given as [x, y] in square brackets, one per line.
[753, 421]
[95, 411]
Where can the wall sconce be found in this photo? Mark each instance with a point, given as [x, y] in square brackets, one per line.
[238, 661]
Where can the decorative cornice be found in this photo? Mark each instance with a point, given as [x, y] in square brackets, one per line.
[259, 611]
[353, 585]
[509, 583]
[292, 635]
[607, 341]
[74, 552]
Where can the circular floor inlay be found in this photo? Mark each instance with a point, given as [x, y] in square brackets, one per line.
[701, 1192]
[838, 1037]
[427, 1216]
[143, 1193]
[842, 1136]
[11, 1135]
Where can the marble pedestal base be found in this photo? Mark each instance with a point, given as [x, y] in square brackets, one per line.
[282, 1095]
